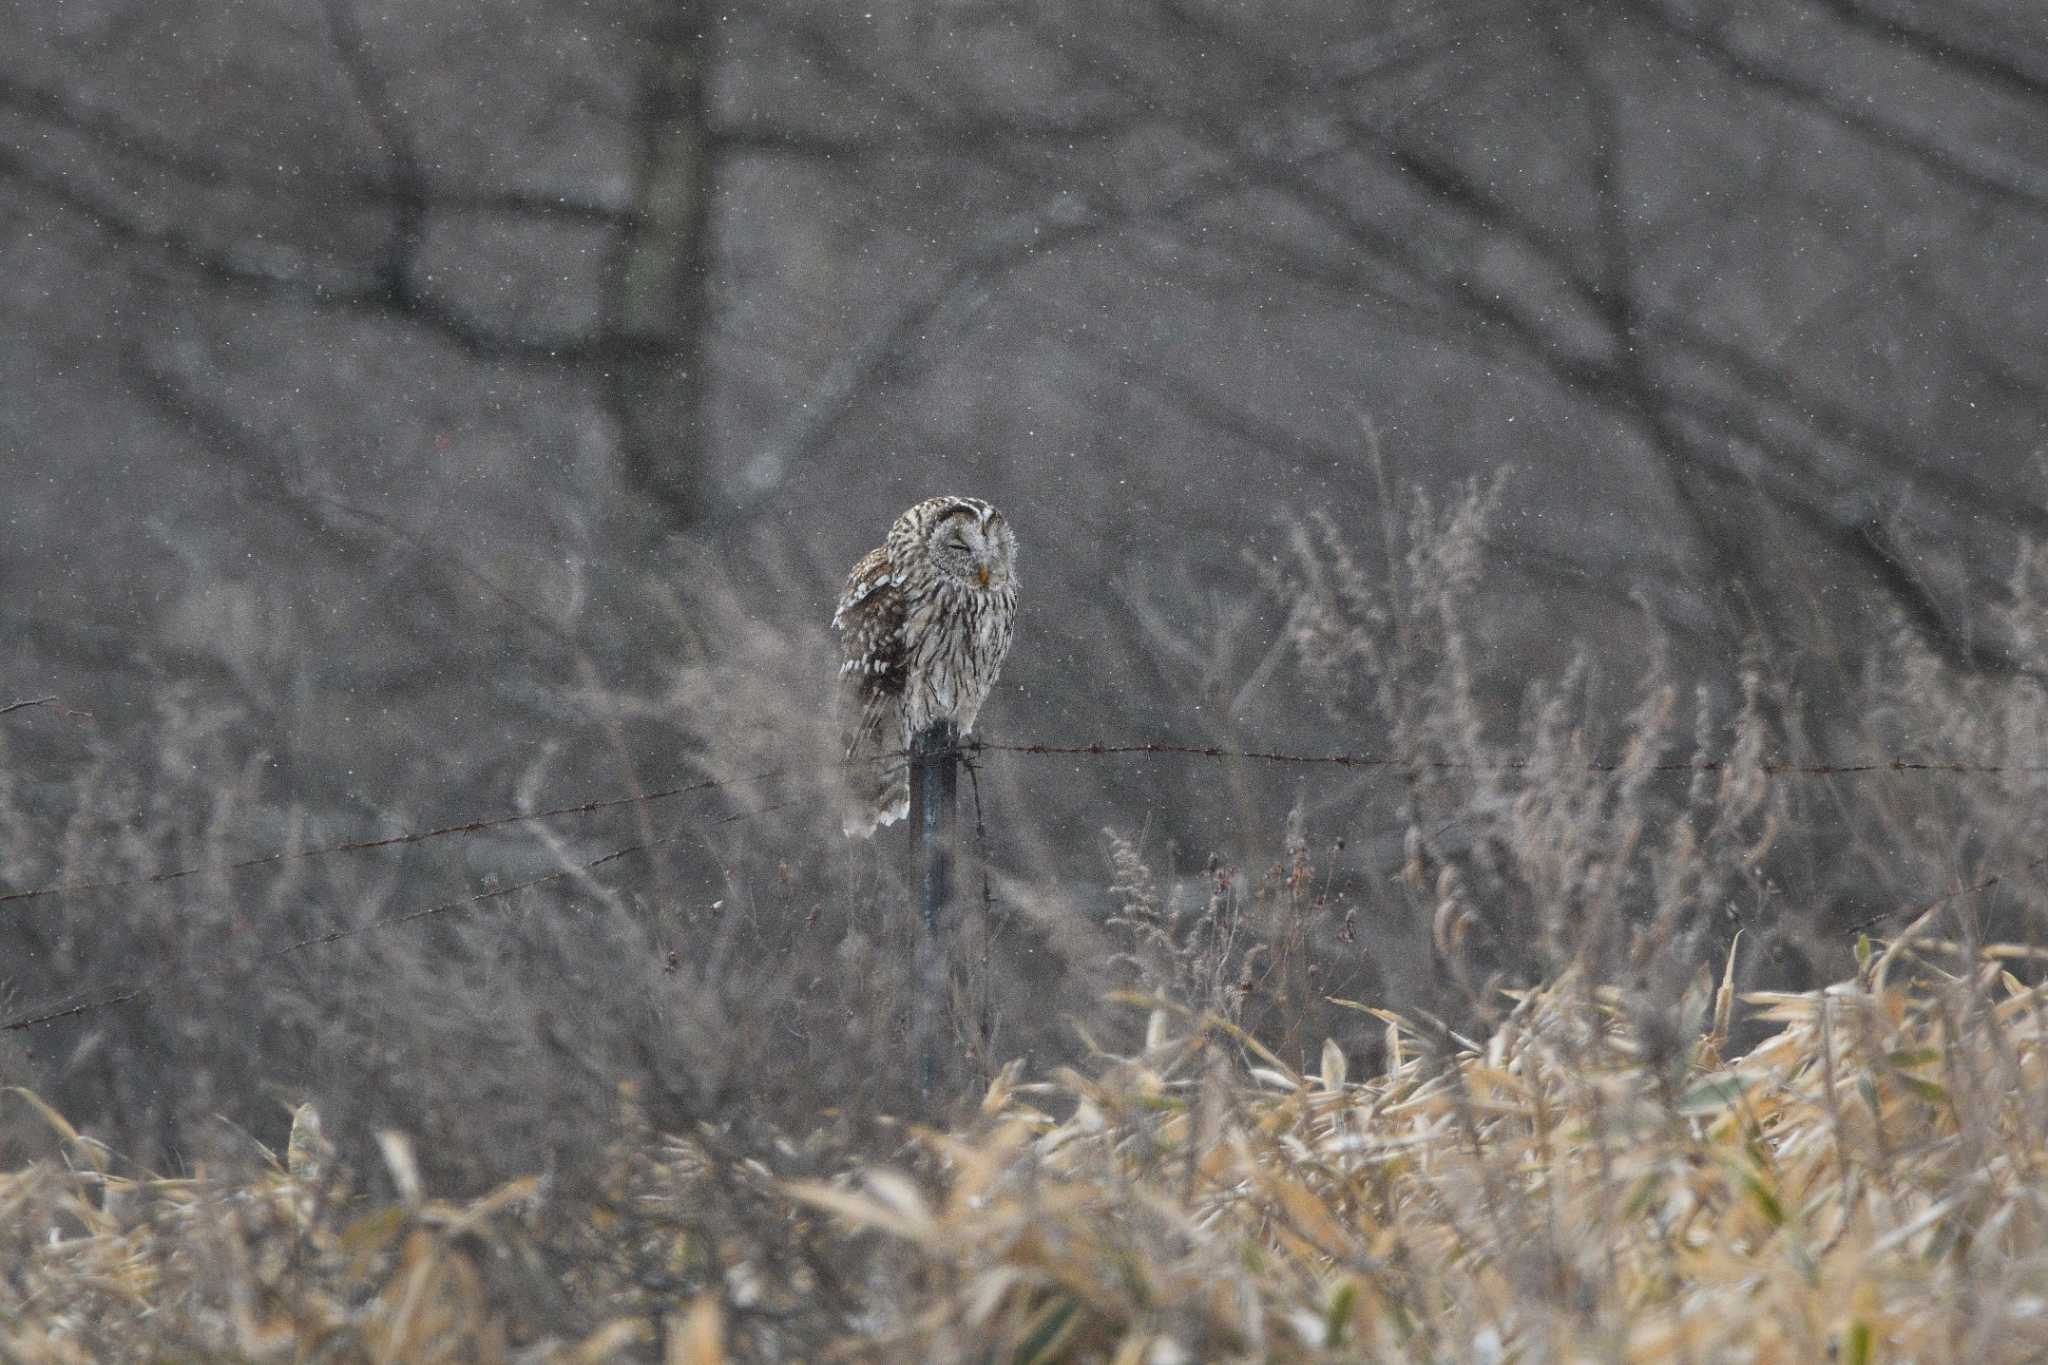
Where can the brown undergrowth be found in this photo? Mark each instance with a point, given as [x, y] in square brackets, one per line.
[1868, 1182]
[1510, 1051]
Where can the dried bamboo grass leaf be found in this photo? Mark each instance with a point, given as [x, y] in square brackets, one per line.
[610, 1342]
[307, 1151]
[861, 1210]
[1333, 1076]
[58, 1124]
[697, 1338]
[396, 1149]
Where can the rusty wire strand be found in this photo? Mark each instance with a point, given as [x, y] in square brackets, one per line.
[388, 841]
[139, 990]
[974, 746]
[1993, 879]
[1404, 764]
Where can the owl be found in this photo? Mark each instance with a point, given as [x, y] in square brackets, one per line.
[925, 622]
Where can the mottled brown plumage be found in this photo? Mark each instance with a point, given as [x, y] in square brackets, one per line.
[925, 622]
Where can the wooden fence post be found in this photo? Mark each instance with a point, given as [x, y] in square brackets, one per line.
[934, 787]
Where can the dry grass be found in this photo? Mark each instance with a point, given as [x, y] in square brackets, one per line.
[1556, 1116]
[290, 1264]
[1869, 1182]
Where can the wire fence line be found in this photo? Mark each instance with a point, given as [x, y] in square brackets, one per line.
[1957, 893]
[121, 995]
[972, 747]
[288, 855]
[1711, 765]
[137, 990]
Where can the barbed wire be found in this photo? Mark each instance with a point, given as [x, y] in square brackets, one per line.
[1410, 764]
[968, 750]
[1093, 749]
[389, 841]
[137, 990]
[1922, 907]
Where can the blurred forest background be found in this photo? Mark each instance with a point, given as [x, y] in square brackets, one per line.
[421, 412]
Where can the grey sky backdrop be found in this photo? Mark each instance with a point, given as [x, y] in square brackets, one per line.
[406, 406]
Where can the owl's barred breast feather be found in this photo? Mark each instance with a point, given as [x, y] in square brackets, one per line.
[924, 622]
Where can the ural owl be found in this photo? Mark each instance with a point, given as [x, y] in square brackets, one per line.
[925, 621]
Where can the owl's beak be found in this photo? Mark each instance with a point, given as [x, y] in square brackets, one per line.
[984, 575]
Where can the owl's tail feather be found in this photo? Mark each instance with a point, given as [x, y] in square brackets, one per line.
[875, 787]
[877, 794]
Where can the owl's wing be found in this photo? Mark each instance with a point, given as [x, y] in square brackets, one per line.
[870, 624]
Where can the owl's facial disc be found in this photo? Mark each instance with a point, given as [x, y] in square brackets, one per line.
[957, 546]
[972, 545]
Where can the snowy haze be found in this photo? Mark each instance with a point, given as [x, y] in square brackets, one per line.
[416, 409]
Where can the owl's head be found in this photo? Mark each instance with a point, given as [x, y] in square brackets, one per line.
[968, 541]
